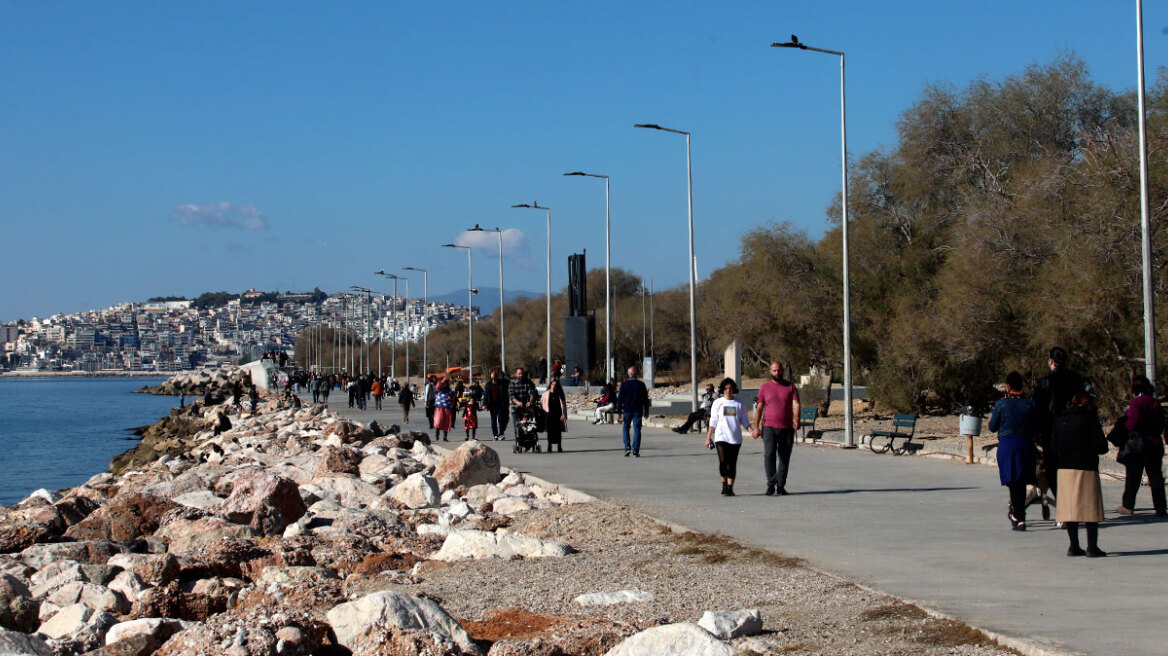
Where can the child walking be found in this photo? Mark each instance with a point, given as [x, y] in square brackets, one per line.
[470, 417]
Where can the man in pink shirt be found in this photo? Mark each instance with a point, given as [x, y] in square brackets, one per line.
[776, 418]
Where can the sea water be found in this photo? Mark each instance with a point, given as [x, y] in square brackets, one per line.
[58, 432]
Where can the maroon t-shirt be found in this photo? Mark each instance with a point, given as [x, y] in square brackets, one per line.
[777, 411]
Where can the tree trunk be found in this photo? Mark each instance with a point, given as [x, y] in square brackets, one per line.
[825, 404]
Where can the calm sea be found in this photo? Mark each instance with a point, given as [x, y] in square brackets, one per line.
[58, 432]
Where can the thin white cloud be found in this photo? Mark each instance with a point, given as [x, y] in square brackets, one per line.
[514, 243]
[221, 215]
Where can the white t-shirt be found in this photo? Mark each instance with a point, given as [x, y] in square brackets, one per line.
[727, 418]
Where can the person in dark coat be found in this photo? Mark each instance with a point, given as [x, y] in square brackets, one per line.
[497, 404]
[1013, 420]
[1145, 418]
[1077, 440]
[556, 407]
[1052, 392]
[406, 400]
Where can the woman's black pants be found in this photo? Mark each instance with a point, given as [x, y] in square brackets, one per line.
[1017, 500]
[1153, 464]
[728, 459]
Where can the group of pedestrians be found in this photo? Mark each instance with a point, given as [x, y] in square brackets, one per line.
[1053, 442]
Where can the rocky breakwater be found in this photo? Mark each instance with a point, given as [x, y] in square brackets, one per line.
[194, 383]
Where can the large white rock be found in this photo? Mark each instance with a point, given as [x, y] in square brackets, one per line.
[683, 639]
[203, 500]
[79, 622]
[728, 624]
[385, 609]
[479, 545]
[417, 491]
[97, 597]
[14, 643]
[613, 598]
[510, 505]
[129, 585]
[159, 629]
[351, 491]
[480, 494]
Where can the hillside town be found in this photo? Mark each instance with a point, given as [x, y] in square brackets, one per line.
[211, 331]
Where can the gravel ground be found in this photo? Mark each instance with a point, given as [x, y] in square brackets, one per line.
[620, 548]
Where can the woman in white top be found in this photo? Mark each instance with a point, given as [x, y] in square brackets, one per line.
[727, 419]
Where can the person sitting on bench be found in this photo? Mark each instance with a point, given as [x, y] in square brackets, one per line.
[701, 414]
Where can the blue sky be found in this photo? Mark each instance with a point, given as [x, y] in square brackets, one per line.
[154, 148]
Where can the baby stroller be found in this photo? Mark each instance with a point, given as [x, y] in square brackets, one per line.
[527, 437]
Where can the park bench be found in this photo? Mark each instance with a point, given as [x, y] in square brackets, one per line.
[903, 428]
[807, 417]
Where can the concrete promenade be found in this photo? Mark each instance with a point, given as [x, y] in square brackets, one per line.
[930, 531]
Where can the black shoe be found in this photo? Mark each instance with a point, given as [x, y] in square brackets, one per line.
[782, 492]
[1096, 552]
[636, 454]
[729, 490]
[724, 488]
[1012, 518]
[1020, 526]
[627, 452]
[559, 449]
[1075, 551]
[1045, 511]
[677, 429]
[770, 491]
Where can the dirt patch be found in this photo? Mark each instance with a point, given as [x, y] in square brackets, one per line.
[893, 612]
[715, 549]
[511, 623]
[380, 562]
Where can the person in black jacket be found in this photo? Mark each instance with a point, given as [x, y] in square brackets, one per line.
[1052, 392]
[1077, 440]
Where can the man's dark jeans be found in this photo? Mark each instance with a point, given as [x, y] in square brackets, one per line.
[777, 442]
[498, 422]
[633, 419]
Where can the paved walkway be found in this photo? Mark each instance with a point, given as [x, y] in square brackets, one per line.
[930, 531]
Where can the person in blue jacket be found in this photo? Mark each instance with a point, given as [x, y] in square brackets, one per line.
[1014, 420]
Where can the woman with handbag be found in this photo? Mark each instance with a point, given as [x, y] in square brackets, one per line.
[1013, 419]
[555, 408]
[1145, 422]
[1077, 439]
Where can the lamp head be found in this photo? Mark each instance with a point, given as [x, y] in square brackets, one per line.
[449, 246]
[576, 173]
[477, 228]
[651, 126]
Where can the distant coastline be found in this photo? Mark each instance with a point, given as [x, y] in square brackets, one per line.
[84, 374]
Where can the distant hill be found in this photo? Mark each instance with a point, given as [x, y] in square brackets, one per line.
[487, 299]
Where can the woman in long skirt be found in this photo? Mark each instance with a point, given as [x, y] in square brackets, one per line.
[1077, 439]
[443, 411]
[556, 407]
[1013, 420]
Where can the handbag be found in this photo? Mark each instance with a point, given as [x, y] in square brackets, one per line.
[1132, 450]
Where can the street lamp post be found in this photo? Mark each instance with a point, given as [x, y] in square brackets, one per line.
[548, 356]
[693, 335]
[470, 292]
[407, 281]
[502, 331]
[849, 437]
[1145, 216]
[425, 317]
[608, 368]
[364, 352]
[393, 339]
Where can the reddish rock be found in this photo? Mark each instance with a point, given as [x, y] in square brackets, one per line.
[76, 508]
[338, 460]
[21, 534]
[258, 491]
[125, 518]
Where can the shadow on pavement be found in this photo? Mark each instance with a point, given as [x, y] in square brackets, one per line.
[886, 489]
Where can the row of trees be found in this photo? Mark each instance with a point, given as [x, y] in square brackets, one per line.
[1004, 221]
